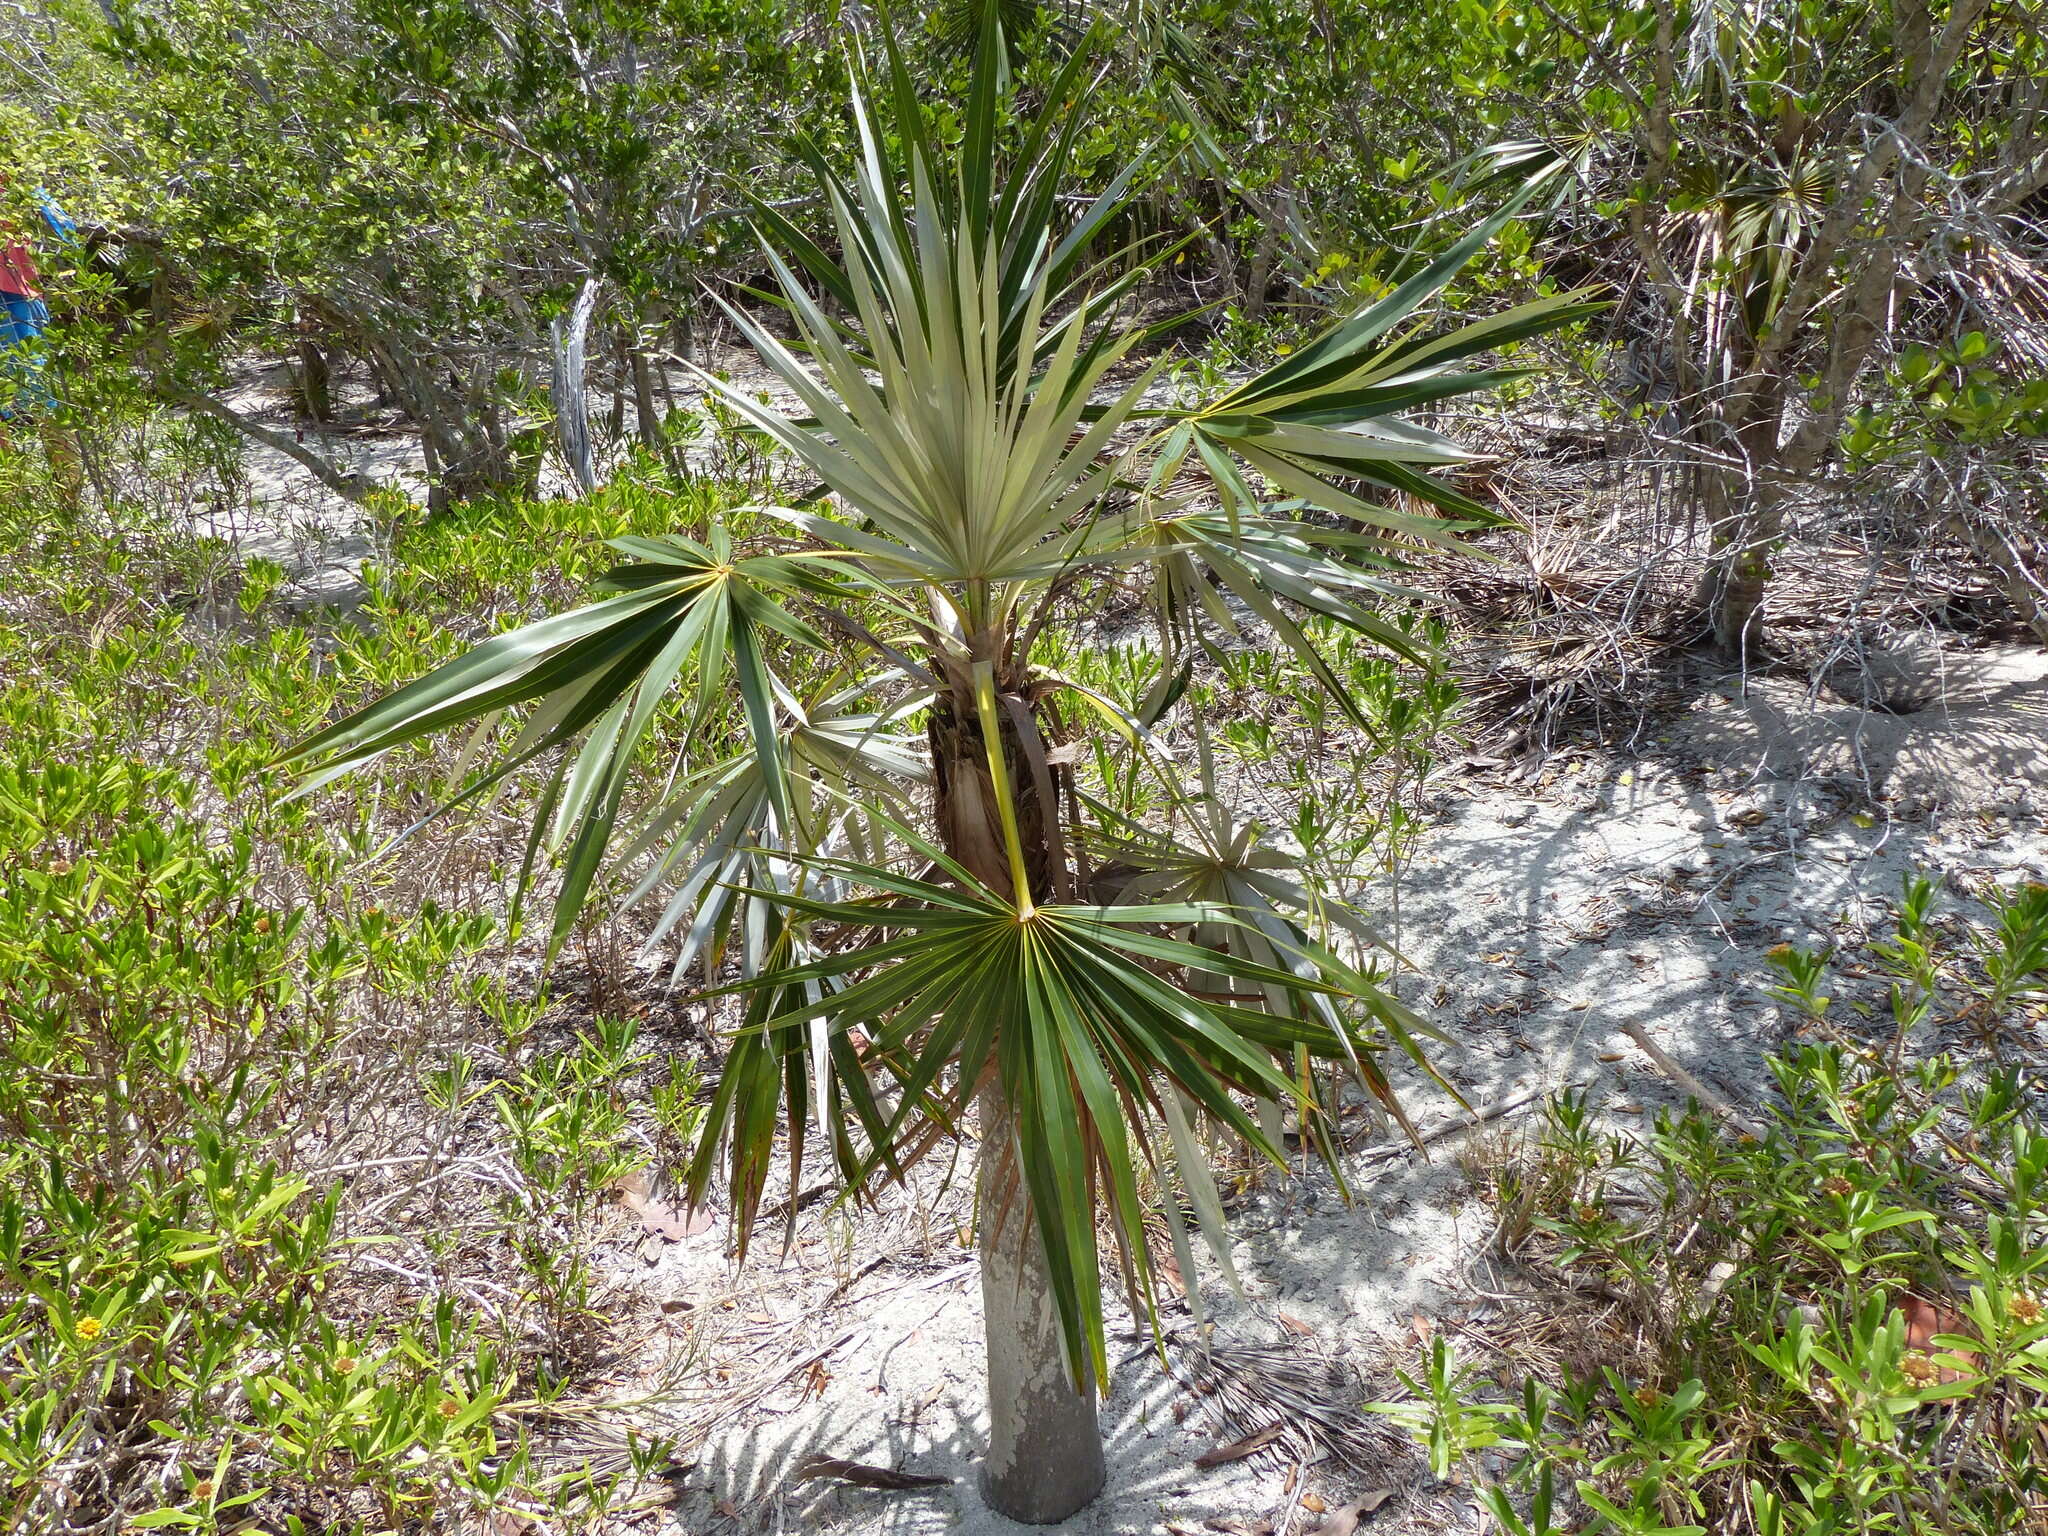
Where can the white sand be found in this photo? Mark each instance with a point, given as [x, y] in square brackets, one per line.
[1541, 924]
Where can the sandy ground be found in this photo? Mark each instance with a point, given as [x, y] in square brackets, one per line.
[321, 538]
[1542, 918]
[1542, 922]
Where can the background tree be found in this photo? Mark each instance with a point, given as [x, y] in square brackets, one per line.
[1800, 190]
[423, 189]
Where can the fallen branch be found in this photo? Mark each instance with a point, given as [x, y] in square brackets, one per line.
[1478, 1117]
[1237, 1450]
[888, 1479]
[1692, 1085]
[351, 486]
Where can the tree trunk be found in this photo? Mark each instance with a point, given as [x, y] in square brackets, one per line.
[1044, 1449]
[648, 410]
[646, 413]
[2015, 562]
[1739, 569]
[1045, 1452]
[1260, 275]
[566, 334]
[316, 392]
[348, 484]
[1747, 501]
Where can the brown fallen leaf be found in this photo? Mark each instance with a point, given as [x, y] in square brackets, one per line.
[1313, 1503]
[886, 1478]
[1165, 1267]
[1344, 1521]
[1241, 1527]
[657, 1216]
[1237, 1450]
[1296, 1326]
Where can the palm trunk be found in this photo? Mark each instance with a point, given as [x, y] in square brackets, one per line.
[1045, 1451]
[1044, 1448]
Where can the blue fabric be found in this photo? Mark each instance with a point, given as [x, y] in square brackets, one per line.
[63, 228]
[22, 388]
[21, 318]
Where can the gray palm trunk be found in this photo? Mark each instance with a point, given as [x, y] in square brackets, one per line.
[1044, 1449]
[1044, 1457]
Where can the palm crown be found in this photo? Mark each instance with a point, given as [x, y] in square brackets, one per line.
[902, 855]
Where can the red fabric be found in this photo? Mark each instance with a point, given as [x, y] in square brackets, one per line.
[18, 271]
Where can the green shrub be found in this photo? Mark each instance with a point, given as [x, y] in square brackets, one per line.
[1839, 1326]
[217, 1022]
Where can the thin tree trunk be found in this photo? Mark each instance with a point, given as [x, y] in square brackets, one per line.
[1045, 1451]
[1260, 276]
[648, 414]
[1747, 503]
[315, 386]
[2010, 558]
[648, 411]
[1749, 519]
[572, 408]
[1044, 1448]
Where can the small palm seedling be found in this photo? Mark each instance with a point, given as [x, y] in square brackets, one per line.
[903, 847]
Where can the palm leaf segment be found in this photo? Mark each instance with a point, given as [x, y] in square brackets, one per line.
[960, 411]
[1073, 1012]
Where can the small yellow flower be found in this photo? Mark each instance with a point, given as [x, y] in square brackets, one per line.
[203, 1489]
[449, 1408]
[1920, 1368]
[344, 1363]
[2024, 1309]
[90, 1328]
[1835, 1184]
[1648, 1397]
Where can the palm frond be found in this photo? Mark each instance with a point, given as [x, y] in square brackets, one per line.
[1330, 414]
[594, 680]
[1076, 1012]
